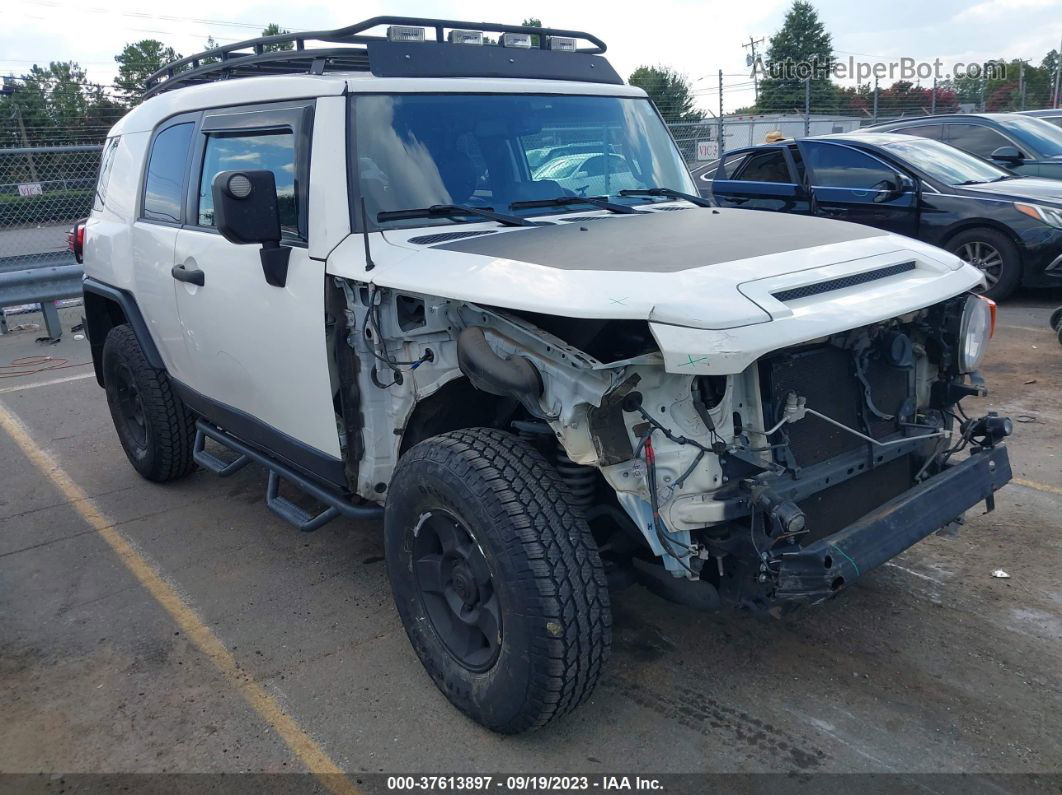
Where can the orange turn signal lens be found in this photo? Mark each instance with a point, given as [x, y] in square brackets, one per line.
[992, 312]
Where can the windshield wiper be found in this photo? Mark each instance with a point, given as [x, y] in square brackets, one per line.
[1004, 177]
[670, 194]
[601, 202]
[452, 211]
[973, 182]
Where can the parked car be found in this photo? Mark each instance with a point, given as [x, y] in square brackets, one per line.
[589, 174]
[1053, 115]
[1008, 226]
[344, 270]
[1025, 145]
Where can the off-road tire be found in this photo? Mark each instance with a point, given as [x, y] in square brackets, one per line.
[1010, 273]
[545, 568]
[161, 448]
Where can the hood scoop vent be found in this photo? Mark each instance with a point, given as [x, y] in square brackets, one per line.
[854, 280]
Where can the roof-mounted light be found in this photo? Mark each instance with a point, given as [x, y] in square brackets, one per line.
[404, 33]
[520, 40]
[465, 37]
[562, 43]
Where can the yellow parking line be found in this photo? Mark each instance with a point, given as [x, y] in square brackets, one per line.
[1034, 484]
[260, 700]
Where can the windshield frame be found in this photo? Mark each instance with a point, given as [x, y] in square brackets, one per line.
[361, 218]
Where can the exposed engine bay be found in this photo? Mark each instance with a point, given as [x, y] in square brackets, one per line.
[715, 490]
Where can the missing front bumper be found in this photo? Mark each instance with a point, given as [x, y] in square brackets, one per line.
[818, 571]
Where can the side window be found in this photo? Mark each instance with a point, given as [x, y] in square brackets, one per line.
[934, 131]
[731, 165]
[106, 162]
[975, 139]
[269, 151]
[765, 167]
[834, 166]
[164, 185]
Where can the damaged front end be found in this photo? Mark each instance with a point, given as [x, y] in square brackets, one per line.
[772, 486]
[826, 459]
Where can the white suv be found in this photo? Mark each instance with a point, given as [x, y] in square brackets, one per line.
[339, 264]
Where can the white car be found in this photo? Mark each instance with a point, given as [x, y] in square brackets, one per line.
[337, 264]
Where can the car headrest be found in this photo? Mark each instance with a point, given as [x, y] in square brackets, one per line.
[458, 174]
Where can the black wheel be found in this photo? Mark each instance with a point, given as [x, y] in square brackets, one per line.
[993, 254]
[1056, 319]
[497, 578]
[153, 425]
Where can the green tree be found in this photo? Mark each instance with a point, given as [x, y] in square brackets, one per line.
[801, 49]
[55, 104]
[136, 62]
[1004, 90]
[669, 90]
[273, 29]
[533, 22]
[210, 44]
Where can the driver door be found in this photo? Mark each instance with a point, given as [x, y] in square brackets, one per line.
[257, 353]
[851, 185]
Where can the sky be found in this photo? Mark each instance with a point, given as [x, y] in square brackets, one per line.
[695, 38]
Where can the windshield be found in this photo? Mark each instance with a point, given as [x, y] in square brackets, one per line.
[945, 163]
[1040, 134]
[490, 150]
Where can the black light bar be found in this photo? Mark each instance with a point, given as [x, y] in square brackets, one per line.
[251, 57]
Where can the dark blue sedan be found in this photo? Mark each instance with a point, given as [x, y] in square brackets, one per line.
[1007, 225]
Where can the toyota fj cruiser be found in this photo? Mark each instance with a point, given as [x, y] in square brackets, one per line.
[454, 275]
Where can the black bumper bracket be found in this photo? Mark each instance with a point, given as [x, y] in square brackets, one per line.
[821, 569]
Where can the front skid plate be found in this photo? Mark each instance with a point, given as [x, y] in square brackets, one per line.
[819, 570]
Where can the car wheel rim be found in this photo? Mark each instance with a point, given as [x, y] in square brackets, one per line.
[457, 590]
[985, 258]
[131, 406]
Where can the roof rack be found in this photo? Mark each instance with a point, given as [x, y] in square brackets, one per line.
[383, 57]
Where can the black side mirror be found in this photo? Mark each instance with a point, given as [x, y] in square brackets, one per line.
[1008, 154]
[893, 188]
[246, 212]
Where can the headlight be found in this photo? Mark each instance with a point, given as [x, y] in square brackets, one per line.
[1049, 215]
[975, 330]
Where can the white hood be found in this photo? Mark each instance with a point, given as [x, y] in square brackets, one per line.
[687, 271]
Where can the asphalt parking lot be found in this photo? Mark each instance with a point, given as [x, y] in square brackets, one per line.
[928, 664]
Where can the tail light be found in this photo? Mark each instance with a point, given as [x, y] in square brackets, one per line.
[75, 241]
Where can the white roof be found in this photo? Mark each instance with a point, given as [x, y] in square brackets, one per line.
[273, 88]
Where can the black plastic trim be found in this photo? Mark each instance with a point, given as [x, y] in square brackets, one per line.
[821, 569]
[97, 331]
[844, 281]
[276, 444]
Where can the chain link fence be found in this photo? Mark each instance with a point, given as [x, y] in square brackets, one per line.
[43, 191]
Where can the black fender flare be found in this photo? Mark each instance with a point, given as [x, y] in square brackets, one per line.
[107, 306]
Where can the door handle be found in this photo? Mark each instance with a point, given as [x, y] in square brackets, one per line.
[182, 274]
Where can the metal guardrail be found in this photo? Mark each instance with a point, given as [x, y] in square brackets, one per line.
[43, 284]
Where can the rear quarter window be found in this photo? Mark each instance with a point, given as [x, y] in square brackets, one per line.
[167, 164]
[110, 147]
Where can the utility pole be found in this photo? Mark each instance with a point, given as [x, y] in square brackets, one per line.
[933, 99]
[722, 143]
[755, 64]
[807, 107]
[34, 177]
[1057, 96]
[1021, 83]
[875, 99]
